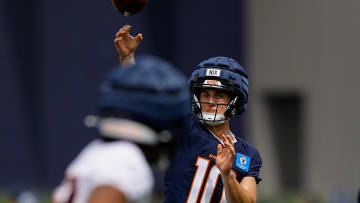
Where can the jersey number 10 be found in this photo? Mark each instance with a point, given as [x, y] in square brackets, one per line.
[202, 165]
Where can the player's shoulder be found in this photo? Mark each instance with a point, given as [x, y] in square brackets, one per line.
[109, 153]
[195, 125]
[119, 164]
[247, 148]
[190, 121]
[194, 128]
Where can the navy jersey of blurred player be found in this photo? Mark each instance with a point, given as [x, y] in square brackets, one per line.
[194, 176]
[141, 118]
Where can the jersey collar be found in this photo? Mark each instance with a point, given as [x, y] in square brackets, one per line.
[232, 136]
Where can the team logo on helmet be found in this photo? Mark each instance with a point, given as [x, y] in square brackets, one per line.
[212, 82]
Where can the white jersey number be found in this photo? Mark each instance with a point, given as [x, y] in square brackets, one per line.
[202, 165]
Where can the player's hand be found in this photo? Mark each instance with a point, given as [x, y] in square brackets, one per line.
[225, 155]
[126, 44]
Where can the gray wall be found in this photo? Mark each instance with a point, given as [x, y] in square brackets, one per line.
[310, 49]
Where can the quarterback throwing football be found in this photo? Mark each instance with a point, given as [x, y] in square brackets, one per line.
[212, 165]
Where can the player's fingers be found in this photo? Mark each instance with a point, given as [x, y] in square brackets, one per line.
[138, 38]
[229, 139]
[117, 41]
[219, 150]
[121, 47]
[226, 140]
[222, 137]
[125, 29]
[232, 151]
[227, 146]
[120, 33]
[231, 145]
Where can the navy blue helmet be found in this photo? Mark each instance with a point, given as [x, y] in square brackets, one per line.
[224, 74]
[153, 93]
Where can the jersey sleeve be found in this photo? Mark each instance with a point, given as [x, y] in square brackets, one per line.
[255, 166]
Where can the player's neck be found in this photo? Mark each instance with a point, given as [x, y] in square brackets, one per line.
[220, 129]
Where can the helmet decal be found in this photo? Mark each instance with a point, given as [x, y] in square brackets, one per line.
[213, 72]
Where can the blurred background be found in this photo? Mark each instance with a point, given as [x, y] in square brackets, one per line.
[302, 58]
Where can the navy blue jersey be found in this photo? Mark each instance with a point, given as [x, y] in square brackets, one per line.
[193, 175]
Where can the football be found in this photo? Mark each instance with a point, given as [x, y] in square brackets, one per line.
[129, 7]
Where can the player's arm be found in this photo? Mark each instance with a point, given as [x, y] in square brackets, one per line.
[235, 191]
[107, 194]
[126, 45]
[245, 191]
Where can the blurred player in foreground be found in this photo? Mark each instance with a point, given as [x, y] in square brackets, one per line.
[219, 89]
[141, 115]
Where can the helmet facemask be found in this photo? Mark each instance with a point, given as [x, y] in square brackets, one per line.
[215, 118]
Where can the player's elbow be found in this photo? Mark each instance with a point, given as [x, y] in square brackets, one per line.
[252, 199]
